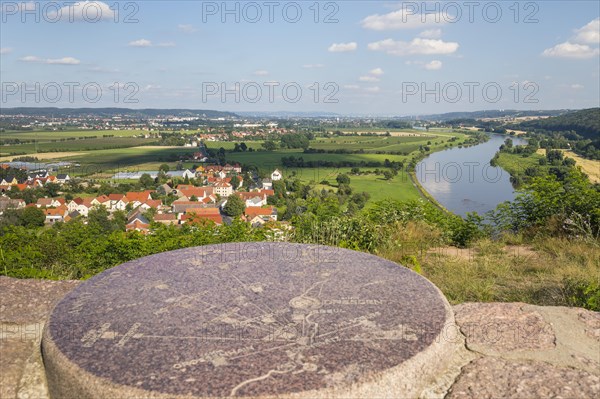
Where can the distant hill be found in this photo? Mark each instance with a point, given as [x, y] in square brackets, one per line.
[112, 112]
[585, 123]
[486, 114]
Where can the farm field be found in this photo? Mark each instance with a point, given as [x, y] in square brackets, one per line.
[74, 145]
[123, 159]
[229, 145]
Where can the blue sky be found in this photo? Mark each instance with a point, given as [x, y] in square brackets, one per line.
[353, 57]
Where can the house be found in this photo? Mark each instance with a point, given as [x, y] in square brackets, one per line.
[9, 181]
[7, 203]
[223, 189]
[49, 203]
[54, 215]
[151, 204]
[185, 206]
[276, 175]
[138, 222]
[267, 184]
[62, 178]
[167, 218]
[260, 216]
[186, 191]
[138, 198]
[200, 214]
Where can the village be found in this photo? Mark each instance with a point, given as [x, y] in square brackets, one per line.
[202, 202]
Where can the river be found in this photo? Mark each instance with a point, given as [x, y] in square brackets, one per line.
[462, 179]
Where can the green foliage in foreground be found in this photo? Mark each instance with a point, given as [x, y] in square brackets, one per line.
[560, 218]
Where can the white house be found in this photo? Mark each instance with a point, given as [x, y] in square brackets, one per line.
[224, 189]
[276, 175]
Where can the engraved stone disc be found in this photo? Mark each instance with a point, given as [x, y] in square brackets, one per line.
[249, 319]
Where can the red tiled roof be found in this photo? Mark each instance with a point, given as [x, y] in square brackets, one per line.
[253, 211]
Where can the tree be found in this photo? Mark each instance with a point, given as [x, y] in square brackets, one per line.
[234, 207]
[33, 217]
[269, 145]
[388, 175]
[343, 179]
[164, 168]
[243, 147]
[235, 181]
[146, 181]
[355, 171]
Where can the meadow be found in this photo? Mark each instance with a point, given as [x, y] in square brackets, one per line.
[105, 143]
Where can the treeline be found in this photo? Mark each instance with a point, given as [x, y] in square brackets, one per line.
[300, 162]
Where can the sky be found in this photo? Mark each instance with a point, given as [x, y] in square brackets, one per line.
[346, 57]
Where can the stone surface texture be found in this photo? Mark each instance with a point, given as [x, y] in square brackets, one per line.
[567, 365]
[255, 319]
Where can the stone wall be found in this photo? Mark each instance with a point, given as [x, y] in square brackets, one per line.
[514, 349]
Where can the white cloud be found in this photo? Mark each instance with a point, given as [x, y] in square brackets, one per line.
[577, 86]
[376, 72]
[261, 72]
[433, 65]
[571, 50]
[5, 50]
[186, 28]
[63, 61]
[401, 19]
[342, 47]
[88, 11]
[577, 47]
[414, 47]
[431, 34]
[140, 43]
[590, 33]
[374, 89]
[313, 66]
[51, 61]
[368, 79]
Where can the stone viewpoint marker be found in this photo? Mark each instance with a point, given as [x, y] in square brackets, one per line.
[254, 320]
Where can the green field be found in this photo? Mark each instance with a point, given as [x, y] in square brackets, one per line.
[515, 164]
[75, 145]
[137, 158]
[399, 188]
[229, 145]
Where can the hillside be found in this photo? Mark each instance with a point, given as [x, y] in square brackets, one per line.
[585, 123]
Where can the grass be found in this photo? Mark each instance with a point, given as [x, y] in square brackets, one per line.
[515, 164]
[75, 145]
[547, 271]
[399, 188]
[126, 159]
[230, 145]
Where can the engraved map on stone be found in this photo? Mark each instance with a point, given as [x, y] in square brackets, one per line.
[233, 321]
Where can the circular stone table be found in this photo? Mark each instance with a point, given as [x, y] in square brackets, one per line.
[249, 319]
